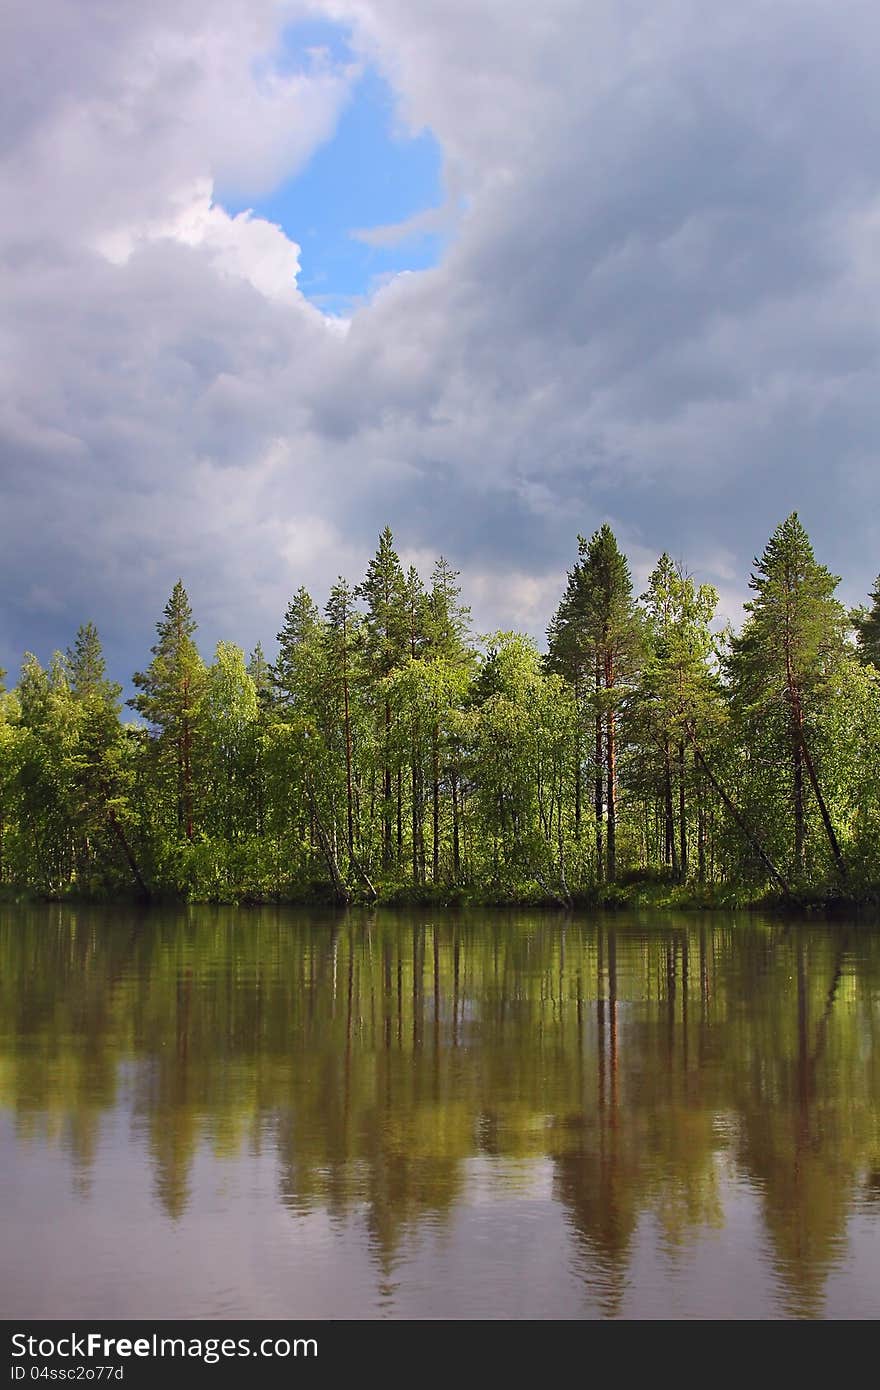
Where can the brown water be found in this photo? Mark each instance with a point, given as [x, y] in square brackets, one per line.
[236, 1113]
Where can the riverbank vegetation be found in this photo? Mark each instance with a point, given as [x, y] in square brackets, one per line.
[387, 754]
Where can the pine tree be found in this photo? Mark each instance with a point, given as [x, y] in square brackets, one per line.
[596, 635]
[782, 660]
[88, 670]
[387, 647]
[172, 689]
[448, 620]
[260, 672]
[866, 622]
[302, 625]
[569, 656]
[102, 775]
[342, 634]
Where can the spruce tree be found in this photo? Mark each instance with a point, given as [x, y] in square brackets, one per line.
[302, 625]
[88, 671]
[260, 672]
[569, 655]
[448, 620]
[866, 622]
[171, 692]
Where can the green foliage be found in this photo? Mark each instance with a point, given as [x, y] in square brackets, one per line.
[172, 690]
[384, 753]
[866, 622]
[782, 670]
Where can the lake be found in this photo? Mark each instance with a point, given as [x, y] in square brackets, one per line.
[246, 1113]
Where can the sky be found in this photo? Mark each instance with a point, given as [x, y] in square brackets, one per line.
[274, 274]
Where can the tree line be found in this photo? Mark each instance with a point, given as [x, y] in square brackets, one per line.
[387, 752]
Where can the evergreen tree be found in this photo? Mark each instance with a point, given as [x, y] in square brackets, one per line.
[783, 659]
[447, 628]
[866, 622]
[302, 625]
[260, 672]
[172, 688]
[343, 643]
[88, 671]
[569, 655]
[101, 781]
[448, 620]
[387, 647]
[597, 630]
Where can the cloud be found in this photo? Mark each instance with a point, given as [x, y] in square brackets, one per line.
[438, 221]
[660, 305]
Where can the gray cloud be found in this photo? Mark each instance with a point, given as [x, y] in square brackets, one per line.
[662, 306]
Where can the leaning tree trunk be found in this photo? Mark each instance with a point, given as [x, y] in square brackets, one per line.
[738, 817]
[823, 808]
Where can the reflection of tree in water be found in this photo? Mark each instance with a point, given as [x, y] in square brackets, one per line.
[809, 1119]
[639, 1145]
[381, 1132]
[377, 1057]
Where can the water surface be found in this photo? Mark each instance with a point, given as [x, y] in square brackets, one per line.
[262, 1113]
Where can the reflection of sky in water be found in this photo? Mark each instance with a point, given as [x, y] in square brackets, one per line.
[508, 1249]
[169, 1146]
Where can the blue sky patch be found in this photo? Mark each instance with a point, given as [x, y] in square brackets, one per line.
[370, 174]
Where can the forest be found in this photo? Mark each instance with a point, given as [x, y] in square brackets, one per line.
[388, 754]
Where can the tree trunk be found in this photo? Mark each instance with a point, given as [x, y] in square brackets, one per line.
[823, 809]
[364, 875]
[611, 777]
[738, 818]
[435, 791]
[386, 784]
[348, 759]
[797, 758]
[682, 817]
[599, 786]
[669, 851]
[577, 761]
[126, 849]
[339, 885]
[701, 833]
[797, 761]
[414, 778]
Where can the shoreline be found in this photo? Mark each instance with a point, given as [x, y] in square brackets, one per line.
[609, 898]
